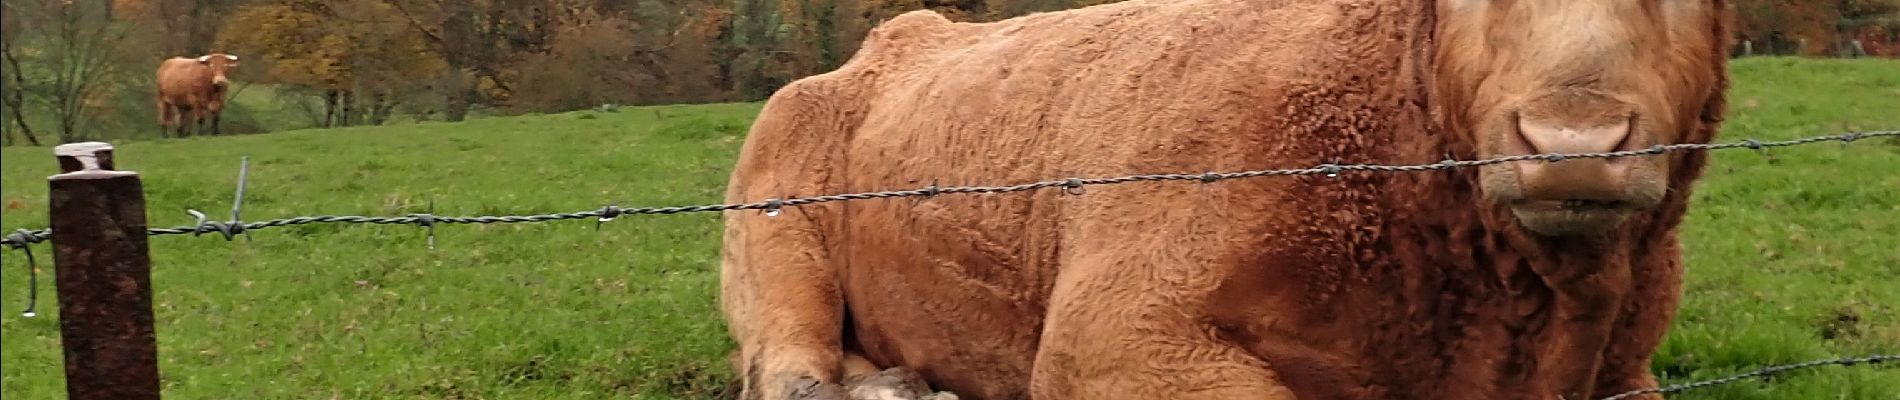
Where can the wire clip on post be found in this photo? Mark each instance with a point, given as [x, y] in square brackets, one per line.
[19, 242]
[205, 224]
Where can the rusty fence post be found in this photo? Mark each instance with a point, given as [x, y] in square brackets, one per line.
[103, 269]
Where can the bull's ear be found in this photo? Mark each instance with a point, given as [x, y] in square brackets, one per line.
[204, 59]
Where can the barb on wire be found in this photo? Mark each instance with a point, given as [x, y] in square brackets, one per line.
[772, 207]
[607, 214]
[1763, 372]
[427, 221]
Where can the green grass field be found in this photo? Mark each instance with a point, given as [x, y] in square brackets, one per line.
[1792, 256]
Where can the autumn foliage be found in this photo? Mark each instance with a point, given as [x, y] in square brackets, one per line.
[371, 61]
[1818, 27]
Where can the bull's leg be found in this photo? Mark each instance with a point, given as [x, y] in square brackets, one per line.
[779, 286]
[164, 119]
[184, 120]
[783, 307]
[1127, 317]
[198, 118]
[215, 126]
[1097, 345]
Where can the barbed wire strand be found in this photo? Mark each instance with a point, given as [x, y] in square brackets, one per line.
[24, 237]
[1763, 372]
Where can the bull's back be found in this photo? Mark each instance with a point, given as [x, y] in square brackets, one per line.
[958, 285]
[180, 79]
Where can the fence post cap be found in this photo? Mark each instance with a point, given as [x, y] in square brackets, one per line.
[86, 160]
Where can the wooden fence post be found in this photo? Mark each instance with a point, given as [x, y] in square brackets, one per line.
[103, 269]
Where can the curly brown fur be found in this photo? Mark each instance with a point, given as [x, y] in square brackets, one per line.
[1462, 284]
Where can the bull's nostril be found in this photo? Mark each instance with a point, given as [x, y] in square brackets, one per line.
[1547, 137]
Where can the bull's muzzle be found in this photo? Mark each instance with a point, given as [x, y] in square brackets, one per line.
[220, 82]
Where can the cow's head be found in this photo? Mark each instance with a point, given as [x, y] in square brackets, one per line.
[1579, 76]
[220, 64]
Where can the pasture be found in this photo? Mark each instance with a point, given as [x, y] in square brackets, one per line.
[1793, 255]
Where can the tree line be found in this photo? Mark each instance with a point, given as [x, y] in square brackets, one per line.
[79, 69]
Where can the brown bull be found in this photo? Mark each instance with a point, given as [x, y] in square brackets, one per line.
[1524, 280]
[193, 88]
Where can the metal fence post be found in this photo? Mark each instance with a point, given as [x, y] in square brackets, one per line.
[103, 270]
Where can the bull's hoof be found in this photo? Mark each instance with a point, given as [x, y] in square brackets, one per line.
[812, 389]
[897, 383]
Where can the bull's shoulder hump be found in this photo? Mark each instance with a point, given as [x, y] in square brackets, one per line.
[907, 33]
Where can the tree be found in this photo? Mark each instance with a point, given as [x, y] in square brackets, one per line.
[478, 39]
[351, 54]
[12, 91]
[177, 27]
[78, 45]
[1809, 28]
[1870, 27]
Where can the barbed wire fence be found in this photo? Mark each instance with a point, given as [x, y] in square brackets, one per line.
[230, 229]
[1759, 373]
[24, 239]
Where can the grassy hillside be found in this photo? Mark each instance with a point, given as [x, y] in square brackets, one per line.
[1792, 255]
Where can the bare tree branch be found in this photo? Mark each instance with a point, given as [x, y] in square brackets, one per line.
[413, 22]
[16, 96]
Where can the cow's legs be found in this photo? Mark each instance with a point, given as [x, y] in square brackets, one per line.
[184, 120]
[779, 287]
[198, 120]
[164, 119]
[1098, 347]
[784, 308]
[1127, 317]
[214, 112]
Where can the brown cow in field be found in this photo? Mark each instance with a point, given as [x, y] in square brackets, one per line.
[194, 88]
[1525, 280]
